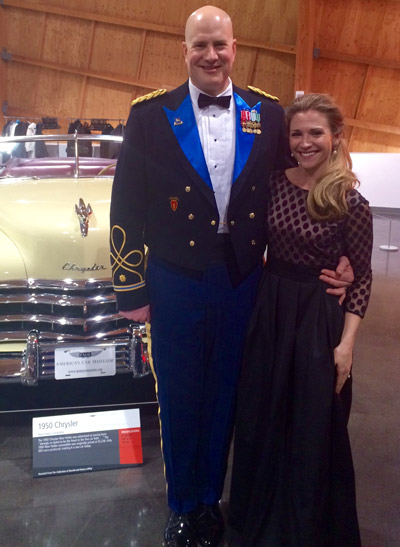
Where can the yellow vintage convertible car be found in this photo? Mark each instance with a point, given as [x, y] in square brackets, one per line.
[58, 316]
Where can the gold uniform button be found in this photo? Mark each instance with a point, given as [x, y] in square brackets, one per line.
[253, 241]
[213, 222]
[192, 243]
[232, 223]
[187, 189]
[252, 215]
[191, 216]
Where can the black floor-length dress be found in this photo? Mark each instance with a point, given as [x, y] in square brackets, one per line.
[292, 478]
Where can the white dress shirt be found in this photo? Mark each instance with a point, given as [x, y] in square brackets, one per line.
[216, 126]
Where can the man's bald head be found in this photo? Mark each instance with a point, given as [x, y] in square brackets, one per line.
[207, 15]
[209, 49]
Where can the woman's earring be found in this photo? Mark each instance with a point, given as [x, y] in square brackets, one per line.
[334, 152]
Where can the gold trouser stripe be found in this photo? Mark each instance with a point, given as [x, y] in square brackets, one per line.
[148, 333]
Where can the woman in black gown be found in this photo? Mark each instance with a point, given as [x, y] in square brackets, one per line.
[292, 477]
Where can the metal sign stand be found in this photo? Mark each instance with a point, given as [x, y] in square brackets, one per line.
[389, 247]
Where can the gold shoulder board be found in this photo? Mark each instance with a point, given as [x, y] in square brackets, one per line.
[149, 96]
[263, 93]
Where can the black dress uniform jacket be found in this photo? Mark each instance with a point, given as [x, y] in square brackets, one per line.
[162, 195]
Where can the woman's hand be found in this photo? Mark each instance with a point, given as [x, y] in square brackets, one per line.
[343, 355]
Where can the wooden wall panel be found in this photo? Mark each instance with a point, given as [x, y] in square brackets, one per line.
[363, 35]
[66, 41]
[305, 46]
[25, 32]
[380, 102]
[58, 93]
[160, 11]
[273, 21]
[20, 89]
[103, 98]
[344, 81]
[3, 66]
[163, 61]
[116, 50]
[163, 12]
[274, 73]
[360, 27]
[363, 140]
[243, 69]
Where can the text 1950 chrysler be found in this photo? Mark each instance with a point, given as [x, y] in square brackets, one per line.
[58, 316]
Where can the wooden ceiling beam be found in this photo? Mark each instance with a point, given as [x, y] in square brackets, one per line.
[360, 99]
[84, 72]
[382, 128]
[305, 46]
[3, 66]
[252, 66]
[98, 17]
[82, 94]
[270, 46]
[372, 61]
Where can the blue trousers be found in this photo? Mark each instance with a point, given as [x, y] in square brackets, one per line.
[197, 332]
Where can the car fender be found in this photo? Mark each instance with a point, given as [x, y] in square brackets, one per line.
[14, 267]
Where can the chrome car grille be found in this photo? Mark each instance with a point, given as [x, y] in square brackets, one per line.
[67, 312]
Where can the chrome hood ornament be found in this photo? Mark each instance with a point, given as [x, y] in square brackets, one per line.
[83, 213]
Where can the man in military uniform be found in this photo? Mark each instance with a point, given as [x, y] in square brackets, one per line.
[191, 184]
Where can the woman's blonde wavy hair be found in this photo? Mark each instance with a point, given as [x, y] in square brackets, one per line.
[327, 200]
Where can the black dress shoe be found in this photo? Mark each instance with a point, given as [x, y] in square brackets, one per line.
[209, 525]
[179, 531]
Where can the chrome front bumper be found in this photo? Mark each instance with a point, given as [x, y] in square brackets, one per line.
[36, 361]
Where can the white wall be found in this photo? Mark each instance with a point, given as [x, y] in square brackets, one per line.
[379, 176]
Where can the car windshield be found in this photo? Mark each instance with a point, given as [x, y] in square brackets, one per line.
[43, 156]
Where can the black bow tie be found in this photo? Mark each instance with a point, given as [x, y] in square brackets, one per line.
[206, 100]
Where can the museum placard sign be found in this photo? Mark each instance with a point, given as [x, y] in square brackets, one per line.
[84, 362]
[78, 443]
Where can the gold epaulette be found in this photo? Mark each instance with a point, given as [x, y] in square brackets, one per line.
[263, 93]
[149, 96]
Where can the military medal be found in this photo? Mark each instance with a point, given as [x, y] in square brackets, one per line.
[256, 121]
[250, 121]
[244, 119]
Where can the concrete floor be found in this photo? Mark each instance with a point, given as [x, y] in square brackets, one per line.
[126, 508]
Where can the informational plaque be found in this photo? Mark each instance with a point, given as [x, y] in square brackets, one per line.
[79, 443]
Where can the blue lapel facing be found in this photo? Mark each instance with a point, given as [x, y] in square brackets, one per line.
[244, 141]
[183, 124]
[184, 127]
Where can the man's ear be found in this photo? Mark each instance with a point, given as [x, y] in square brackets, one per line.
[234, 42]
[184, 49]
